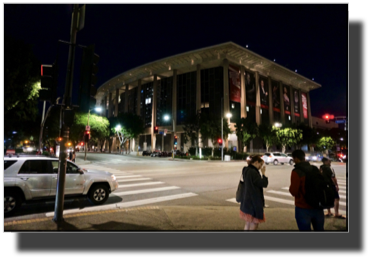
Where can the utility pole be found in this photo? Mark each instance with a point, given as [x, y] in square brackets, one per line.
[67, 113]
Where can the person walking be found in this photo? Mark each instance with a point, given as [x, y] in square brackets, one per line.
[329, 174]
[305, 214]
[252, 204]
[70, 155]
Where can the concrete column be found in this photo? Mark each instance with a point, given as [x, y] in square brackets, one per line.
[301, 106]
[138, 97]
[198, 94]
[174, 107]
[226, 93]
[126, 99]
[282, 104]
[110, 104]
[258, 102]
[309, 110]
[117, 103]
[270, 101]
[104, 106]
[154, 112]
[291, 98]
[243, 97]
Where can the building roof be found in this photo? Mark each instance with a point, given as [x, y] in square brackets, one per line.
[207, 57]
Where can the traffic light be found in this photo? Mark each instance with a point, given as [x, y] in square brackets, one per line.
[88, 79]
[87, 136]
[81, 143]
[327, 118]
[49, 81]
[156, 130]
[59, 139]
[175, 140]
[220, 142]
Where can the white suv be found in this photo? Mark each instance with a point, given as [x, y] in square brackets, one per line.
[276, 158]
[34, 178]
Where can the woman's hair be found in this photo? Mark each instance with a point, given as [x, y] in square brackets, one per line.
[254, 158]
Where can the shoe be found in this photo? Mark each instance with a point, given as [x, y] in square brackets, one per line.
[329, 214]
[340, 217]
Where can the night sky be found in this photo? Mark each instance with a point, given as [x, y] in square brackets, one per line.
[310, 38]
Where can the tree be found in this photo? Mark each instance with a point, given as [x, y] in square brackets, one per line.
[309, 135]
[99, 128]
[131, 126]
[288, 137]
[209, 129]
[191, 129]
[21, 85]
[268, 134]
[246, 130]
[325, 143]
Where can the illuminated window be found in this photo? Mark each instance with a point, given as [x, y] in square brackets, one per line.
[148, 101]
[247, 109]
[261, 111]
[232, 105]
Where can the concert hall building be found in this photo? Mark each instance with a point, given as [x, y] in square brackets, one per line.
[219, 79]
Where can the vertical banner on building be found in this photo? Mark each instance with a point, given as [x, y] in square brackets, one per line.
[276, 96]
[286, 99]
[264, 92]
[296, 103]
[234, 77]
[250, 88]
[304, 105]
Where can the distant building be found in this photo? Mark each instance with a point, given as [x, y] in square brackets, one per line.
[217, 79]
[319, 123]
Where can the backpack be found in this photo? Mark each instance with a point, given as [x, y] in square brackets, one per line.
[319, 192]
[240, 189]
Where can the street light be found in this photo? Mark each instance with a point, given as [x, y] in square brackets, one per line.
[167, 118]
[97, 109]
[228, 115]
[278, 125]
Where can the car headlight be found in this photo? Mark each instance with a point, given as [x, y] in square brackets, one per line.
[113, 177]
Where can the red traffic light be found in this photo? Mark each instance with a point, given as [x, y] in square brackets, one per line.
[81, 143]
[87, 132]
[175, 137]
[220, 141]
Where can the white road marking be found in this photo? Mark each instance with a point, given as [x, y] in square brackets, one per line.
[283, 201]
[233, 200]
[130, 176]
[126, 204]
[141, 184]
[137, 179]
[144, 191]
[279, 192]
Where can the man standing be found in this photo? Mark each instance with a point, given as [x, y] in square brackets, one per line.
[329, 174]
[305, 214]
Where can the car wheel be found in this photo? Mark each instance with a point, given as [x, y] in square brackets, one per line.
[98, 194]
[291, 162]
[12, 202]
[275, 162]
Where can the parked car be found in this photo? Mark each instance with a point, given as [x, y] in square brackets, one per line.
[313, 157]
[35, 178]
[276, 158]
[179, 153]
[155, 154]
[146, 153]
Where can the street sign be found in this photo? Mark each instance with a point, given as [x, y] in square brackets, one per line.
[340, 121]
[88, 128]
[160, 132]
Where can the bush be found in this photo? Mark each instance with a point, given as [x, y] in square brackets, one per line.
[192, 150]
[46, 153]
[19, 150]
[207, 151]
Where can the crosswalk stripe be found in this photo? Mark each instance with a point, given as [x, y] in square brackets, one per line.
[279, 192]
[144, 191]
[137, 179]
[285, 188]
[130, 176]
[233, 200]
[283, 201]
[156, 200]
[126, 204]
[141, 184]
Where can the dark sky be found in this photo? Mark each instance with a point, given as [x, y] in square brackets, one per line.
[310, 38]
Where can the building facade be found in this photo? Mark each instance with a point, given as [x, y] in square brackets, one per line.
[225, 78]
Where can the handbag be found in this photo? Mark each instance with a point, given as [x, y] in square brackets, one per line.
[240, 189]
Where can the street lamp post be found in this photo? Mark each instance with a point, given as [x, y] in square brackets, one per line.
[228, 115]
[166, 118]
[97, 109]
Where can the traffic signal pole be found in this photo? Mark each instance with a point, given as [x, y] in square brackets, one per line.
[65, 130]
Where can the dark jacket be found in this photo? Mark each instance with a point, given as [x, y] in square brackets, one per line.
[253, 197]
[297, 184]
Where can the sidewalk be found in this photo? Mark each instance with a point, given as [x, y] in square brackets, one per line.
[167, 218]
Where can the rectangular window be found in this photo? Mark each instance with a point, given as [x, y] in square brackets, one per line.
[148, 101]
[35, 167]
[247, 109]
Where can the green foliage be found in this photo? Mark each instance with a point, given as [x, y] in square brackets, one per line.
[192, 127]
[325, 143]
[288, 136]
[192, 150]
[268, 134]
[246, 130]
[309, 135]
[207, 151]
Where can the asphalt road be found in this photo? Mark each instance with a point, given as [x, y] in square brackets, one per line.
[162, 181]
